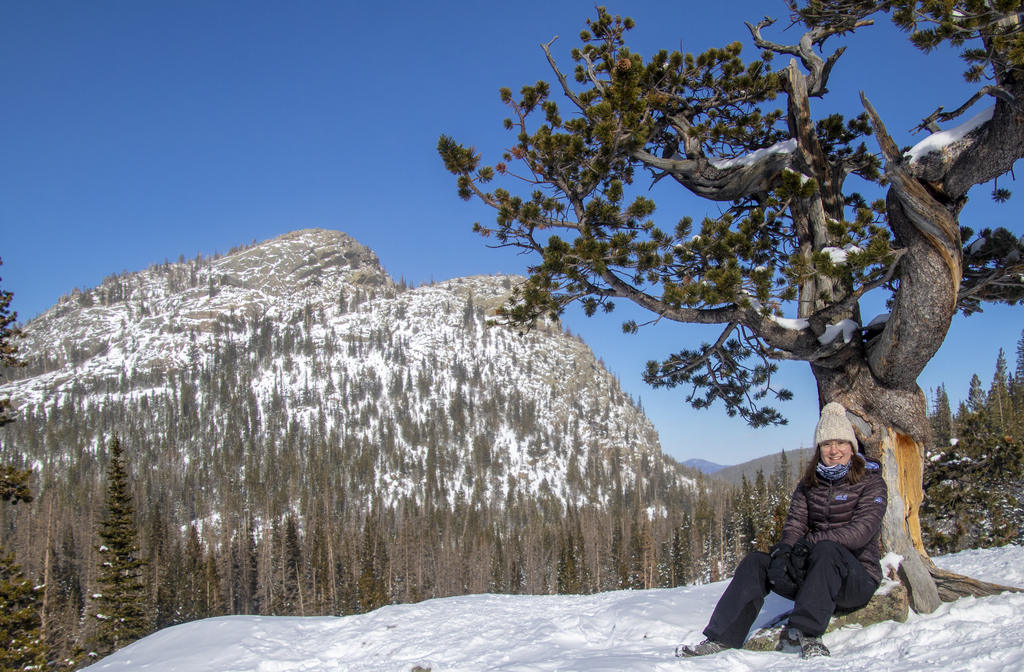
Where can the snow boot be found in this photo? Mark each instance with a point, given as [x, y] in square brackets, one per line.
[789, 641]
[705, 648]
[812, 647]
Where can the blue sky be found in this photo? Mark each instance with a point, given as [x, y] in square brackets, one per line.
[133, 132]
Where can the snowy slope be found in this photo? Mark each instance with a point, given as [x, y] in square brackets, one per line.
[616, 631]
[357, 339]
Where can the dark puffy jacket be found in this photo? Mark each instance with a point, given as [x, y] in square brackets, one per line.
[849, 514]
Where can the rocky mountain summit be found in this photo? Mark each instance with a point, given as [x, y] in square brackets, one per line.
[143, 314]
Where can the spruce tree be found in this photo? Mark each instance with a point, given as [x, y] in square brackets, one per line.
[21, 642]
[292, 598]
[159, 571]
[8, 350]
[974, 489]
[373, 563]
[192, 596]
[681, 559]
[976, 397]
[66, 603]
[941, 420]
[13, 482]
[1017, 391]
[122, 596]
[998, 399]
[213, 600]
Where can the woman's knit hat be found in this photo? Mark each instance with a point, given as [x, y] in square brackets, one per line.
[834, 426]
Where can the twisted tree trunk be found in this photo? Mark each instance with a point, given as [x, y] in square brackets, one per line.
[886, 421]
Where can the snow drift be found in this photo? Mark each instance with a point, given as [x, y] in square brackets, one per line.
[615, 631]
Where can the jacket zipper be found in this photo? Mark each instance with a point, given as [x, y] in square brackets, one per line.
[828, 507]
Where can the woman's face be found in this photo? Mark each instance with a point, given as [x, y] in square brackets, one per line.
[836, 452]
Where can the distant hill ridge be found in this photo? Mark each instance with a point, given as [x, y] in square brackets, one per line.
[768, 464]
[704, 465]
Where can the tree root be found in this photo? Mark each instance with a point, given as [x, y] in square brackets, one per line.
[954, 586]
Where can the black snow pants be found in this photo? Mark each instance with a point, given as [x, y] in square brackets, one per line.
[835, 578]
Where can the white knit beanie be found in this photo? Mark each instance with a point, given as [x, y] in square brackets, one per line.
[834, 426]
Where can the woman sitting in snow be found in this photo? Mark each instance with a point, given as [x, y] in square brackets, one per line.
[829, 553]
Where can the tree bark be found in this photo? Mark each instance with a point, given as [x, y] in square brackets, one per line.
[892, 426]
[954, 586]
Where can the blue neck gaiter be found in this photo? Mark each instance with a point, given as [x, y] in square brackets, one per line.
[833, 473]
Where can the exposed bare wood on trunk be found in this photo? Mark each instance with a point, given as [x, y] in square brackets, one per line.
[896, 537]
[910, 475]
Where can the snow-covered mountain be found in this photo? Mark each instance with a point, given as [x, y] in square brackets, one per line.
[306, 333]
[621, 631]
[314, 438]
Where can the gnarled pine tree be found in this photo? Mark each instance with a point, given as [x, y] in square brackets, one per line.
[790, 234]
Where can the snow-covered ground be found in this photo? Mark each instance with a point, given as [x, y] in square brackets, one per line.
[618, 631]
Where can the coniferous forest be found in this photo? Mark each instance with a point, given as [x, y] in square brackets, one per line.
[974, 473]
[207, 486]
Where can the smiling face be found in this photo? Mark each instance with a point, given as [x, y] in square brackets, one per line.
[835, 452]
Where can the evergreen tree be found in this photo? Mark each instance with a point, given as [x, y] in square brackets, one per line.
[976, 397]
[159, 571]
[681, 558]
[572, 572]
[121, 601]
[779, 494]
[372, 566]
[762, 510]
[703, 532]
[292, 602]
[67, 603]
[974, 488]
[784, 480]
[192, 590]
[13, 482]
[244, 566]
[21, 640]
[998, 399]
[747, 505]
[8, 350]
[1017, 391]
[941, 420]
[1019, 372]
[567, 580]
[21, 643]
[213, 600]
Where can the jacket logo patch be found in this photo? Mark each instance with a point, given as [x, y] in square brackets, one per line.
[842, 497]
[878, 500]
